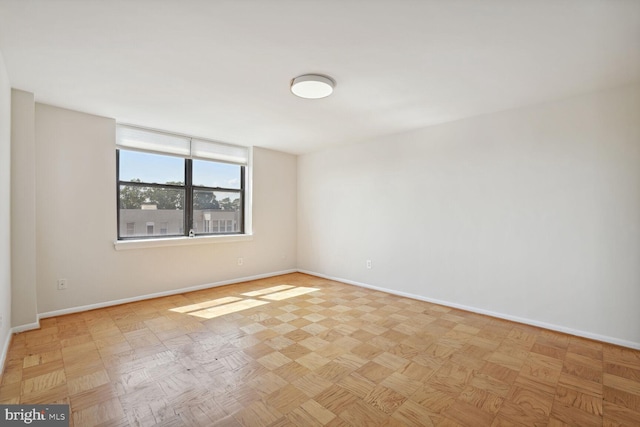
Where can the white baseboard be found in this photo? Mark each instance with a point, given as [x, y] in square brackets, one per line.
[160, 294]
[27, 327]
[544, 325]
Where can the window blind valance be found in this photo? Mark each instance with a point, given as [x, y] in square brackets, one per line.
[159, 142]
[202, 149]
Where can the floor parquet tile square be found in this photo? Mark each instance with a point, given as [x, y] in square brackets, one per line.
[467, 414]
[411, 413]
[274, 360]
[384, 399]
[335, 398]
[257, 414]
[571, 415]
[360, 414]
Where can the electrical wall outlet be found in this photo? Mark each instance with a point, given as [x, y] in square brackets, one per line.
[369, 264]
[240, 261]
[62, 284]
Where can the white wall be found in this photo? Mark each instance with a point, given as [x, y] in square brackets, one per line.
[76, 222]
[531, 214]
[5, 210]
[23, 211]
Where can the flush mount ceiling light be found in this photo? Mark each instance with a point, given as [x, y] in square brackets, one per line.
[312, 86]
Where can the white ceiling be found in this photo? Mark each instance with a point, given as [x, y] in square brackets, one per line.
[221, 69]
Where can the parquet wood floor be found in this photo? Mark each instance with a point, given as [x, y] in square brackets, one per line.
[297, 350]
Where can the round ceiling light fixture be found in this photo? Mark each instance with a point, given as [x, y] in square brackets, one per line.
[312, 86]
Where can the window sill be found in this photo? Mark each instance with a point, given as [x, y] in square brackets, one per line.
[121, 245]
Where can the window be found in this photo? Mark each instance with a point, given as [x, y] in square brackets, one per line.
[179, 184]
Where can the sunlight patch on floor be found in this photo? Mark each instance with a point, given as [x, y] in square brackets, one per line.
[227, 305]
[205, 304]
[278, 296]
[267, 290]
[233, 307]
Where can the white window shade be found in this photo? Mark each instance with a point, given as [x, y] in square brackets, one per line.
[221, 152]
[158, 142]
[141, 139]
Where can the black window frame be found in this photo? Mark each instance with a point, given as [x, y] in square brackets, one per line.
[189, 189]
